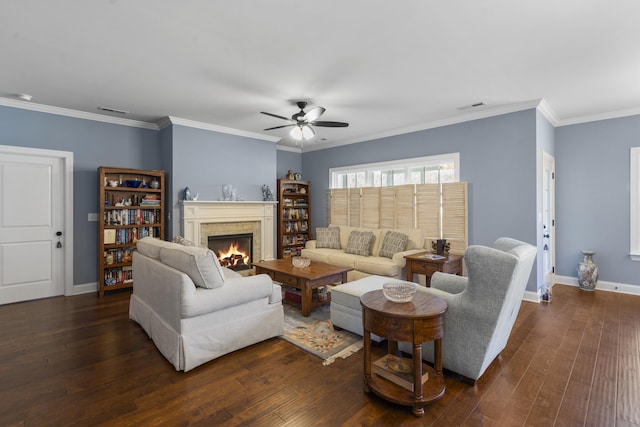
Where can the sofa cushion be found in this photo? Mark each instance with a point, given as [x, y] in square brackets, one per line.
[200, 264]
[393, 242]
[359, 243]
[150, 246]
[378, 265]
[328, 237]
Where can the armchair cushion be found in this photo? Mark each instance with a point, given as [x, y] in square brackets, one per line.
[200, 264]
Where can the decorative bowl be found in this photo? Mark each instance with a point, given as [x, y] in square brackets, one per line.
[113, 183]
[300, 261]
[399, 291]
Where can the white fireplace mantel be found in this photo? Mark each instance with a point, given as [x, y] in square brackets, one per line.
[195, 213]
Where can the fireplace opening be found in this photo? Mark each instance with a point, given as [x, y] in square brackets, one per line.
[234, 251]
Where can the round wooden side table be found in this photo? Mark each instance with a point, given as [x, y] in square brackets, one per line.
[417, 321]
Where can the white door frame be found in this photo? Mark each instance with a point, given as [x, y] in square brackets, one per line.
[548, 162]
[67, 171]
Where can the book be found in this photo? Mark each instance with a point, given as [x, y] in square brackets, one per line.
[398, 370]
[109, 236]
[433, 256]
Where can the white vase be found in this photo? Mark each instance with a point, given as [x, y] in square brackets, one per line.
[588, 272]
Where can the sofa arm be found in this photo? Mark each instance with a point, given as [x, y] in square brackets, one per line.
[236, 291]
[310, 244]
[399, 257]
[450, 283]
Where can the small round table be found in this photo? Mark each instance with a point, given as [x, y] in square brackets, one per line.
[417, 321]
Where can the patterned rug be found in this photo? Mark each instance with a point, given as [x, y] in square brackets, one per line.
[315, 334]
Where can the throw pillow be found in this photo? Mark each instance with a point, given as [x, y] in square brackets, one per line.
[200, 264]
[360, 243]
[393, 242]
[328, 237]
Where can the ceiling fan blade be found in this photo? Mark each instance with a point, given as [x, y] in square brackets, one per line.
[330, 124]
[276, 116]
[280, 127]
[313, 114]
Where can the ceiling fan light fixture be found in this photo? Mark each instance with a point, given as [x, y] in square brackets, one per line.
[300, 133]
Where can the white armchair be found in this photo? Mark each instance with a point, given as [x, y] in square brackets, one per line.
[482, 307]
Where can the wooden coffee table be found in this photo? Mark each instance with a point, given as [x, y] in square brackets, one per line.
[306, 278]
[417, 321]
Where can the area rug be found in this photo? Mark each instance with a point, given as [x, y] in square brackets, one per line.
[316, 335]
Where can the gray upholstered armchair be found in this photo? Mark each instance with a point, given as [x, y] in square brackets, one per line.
[483, 306]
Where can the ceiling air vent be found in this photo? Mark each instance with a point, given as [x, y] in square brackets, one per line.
[113, 110]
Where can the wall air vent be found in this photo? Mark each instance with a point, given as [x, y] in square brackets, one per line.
[113, 110]
[475, 105]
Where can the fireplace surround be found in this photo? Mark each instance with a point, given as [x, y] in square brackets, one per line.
[201, 219]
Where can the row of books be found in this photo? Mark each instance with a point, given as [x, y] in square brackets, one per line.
[119, 199]
[290, 251]
[294, 239]
[290, 202]
[114, 276]
[296, 226]
[295, 213]
[132, 216]
[128, 235]
[118, 255]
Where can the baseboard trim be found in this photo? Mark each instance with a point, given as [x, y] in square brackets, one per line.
[602, 285]
[531, 296]
[84, 288]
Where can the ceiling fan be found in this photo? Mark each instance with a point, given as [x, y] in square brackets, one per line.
[302, 122]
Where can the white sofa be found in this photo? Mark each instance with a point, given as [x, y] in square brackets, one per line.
[190, 323]
[372, 264]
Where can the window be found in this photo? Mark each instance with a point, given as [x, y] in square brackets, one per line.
[635, 204]
[423, 170]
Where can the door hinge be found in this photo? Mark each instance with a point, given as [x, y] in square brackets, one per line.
[553, 270]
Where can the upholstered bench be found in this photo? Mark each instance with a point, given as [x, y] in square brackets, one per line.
[346, 311]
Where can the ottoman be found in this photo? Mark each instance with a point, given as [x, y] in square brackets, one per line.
[346, 311]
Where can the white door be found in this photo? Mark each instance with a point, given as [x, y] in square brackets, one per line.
[548, 220]
[31, 213]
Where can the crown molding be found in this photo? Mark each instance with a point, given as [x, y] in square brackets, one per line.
[67, 112]
[206, 126]
[597, 117]
[476, 115]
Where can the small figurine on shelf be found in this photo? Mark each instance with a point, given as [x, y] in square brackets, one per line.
[267, 195]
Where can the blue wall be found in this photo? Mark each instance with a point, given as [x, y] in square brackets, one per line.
[205, 161]
[94, 144]
[592, 197]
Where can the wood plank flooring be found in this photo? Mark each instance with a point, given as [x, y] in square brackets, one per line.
[80, 361]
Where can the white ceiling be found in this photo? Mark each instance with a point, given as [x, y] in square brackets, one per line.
[383, 66]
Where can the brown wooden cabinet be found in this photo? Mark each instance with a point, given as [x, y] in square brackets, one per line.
[131, 207]
[294, 216]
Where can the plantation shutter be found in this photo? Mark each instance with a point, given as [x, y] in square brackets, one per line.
[339, 206]
[354, 207]
[428, 209]
[405, 206]
[454, 215]
[370, 207]
[387, 207]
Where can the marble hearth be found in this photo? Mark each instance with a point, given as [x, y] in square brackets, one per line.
[201, 219]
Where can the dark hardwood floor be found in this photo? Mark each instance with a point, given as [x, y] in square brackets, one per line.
[79, 361]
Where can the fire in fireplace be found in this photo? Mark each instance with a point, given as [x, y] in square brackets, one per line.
[234, 251]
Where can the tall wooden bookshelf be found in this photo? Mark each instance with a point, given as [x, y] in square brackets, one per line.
[132, 206]
[294, 207]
